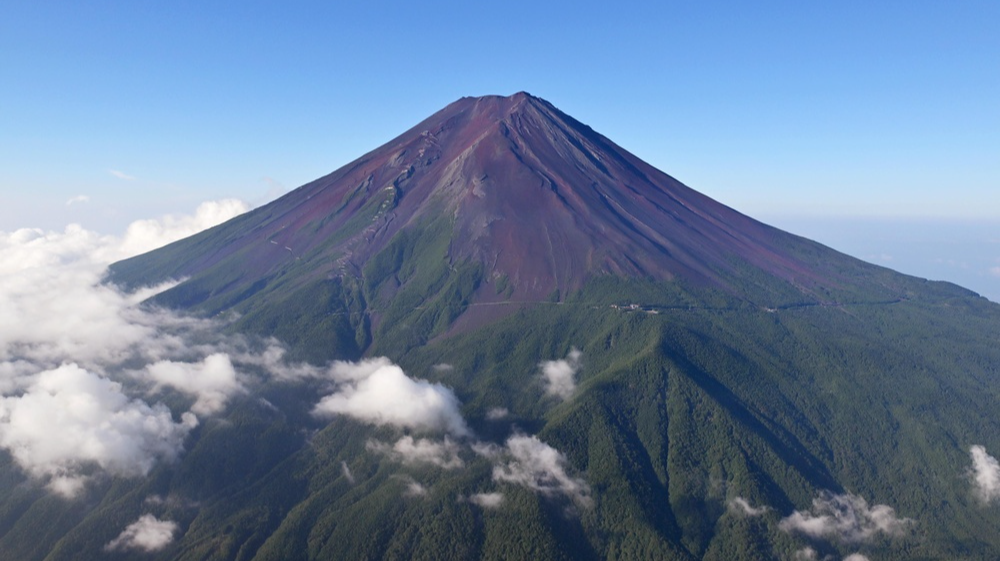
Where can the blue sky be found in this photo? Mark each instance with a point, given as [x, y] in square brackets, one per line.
[785, 110]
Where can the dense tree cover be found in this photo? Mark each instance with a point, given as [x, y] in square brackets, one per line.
[677, 413]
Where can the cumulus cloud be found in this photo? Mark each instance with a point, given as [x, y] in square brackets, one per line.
[147, 534]
[855, 557]
[560, 375]
[529, 462]
[487, 500]
[406, 450]
[845, 518]
[741, 505]
[985, 474]
[146, 235]
[212, 381]
[70, 419]
[121, 175]
[379, 392]
[77, 199]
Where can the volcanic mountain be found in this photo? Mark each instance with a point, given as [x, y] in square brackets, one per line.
[503, 201]
[505, 337]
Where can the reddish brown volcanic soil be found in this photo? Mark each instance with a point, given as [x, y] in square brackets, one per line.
[535, 195]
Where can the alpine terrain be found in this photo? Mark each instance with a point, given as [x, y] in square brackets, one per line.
[502, 336]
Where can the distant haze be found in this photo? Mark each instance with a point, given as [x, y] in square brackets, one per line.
[965, 252]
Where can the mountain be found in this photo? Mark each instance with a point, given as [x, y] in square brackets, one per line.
[594, 362]
[489, 204]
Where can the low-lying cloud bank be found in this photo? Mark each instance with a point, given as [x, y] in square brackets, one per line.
[63, 334]
[845, 518]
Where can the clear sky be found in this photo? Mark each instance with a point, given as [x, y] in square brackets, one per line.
[782, 109]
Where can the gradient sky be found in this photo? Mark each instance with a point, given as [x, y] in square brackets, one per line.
[785, 110]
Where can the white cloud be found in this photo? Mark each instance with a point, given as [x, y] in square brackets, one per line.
[536, 465]
[347, 472]
[487, 500]
[212, 381]
[560, 374]
[62, 332]
[70, 419]
[985, 474]
[995, 271]
[497, 413]
[846, 518]
[855, 557]
[146, 235]
[806, 554]
[77, 199]
[379, 392]
[146, 534]
[53, 306]
[443, 454]
[412, 489]
[121, 175]
[487, 449]
[741, 505]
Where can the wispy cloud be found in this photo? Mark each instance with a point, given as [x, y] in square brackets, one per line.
[529, 462]
[845, 518]
[406, 450]
[487, 500]
[347, 472]
[147, 534]
[742, 506]
[412, 487]
[497, 413]
[985, 474]
[77, 199]
[560, 375]
[121, 175]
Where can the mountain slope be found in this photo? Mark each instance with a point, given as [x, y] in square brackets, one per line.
[736, 392]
